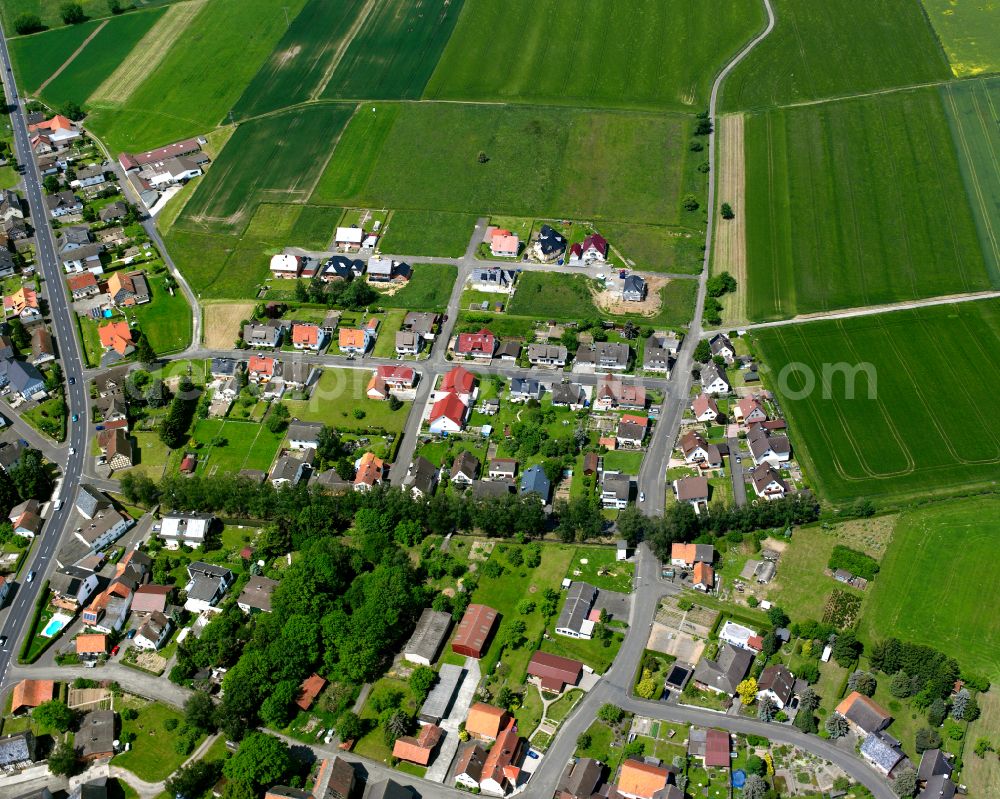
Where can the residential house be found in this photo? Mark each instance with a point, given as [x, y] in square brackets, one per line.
[593, 250]
[469, 770]
[658, 354]
[116, 337]
[29, 694]
[334, 780]
[568, 395]
[23, 304]
[714, 380]
[481, 345]
[778, 683]
[465, 469]
[581, 779]
[114, 212]
[428, 637]
[523, 389]
[59, 129]
[687, 555]
[298, 375]
[10, 205]
[291, 467]
[493, 280]
[723, 347]
[575, 618]
[550, 245]
[768, 448]
[82, 285]
[304, 435]
[613, 393]
[62, 204]
[286, 267]
[749, 410]
[699, 452]
[354, 341]
[96, 737]
[72, 586]
[263, 334]
[90, 646]
[73, 237]
[934, 776]
[154, 632]
[387, 789]
[534, 481]
[116, 447]
[631, 430]
[408, 343]
[705, 408]
[14, 229]
[17, 751]
[882, 752]
[423, 324]
[604, 356]
[693, 490]
[723, 674]
[379, 270]
[340, 268]
[500, 770]
[348, 239]
[864, 715]
[396, 381]
[25, 380]
[767, 482]
[106, 527]
[718, 747]
[641, 780]
[474, 631]
[448, 414]
[633, 289]
[256, 595]
[207, 584]
[26, 518]
[616, 490]
[503, 243]
[502, 468]
[260, 369]
[419, 748]
[7, 265]
[702, 577]
[369, 472]
[85, 258]
[310, 689]
[189, 529]
[128, 288]
[171, 172]
[553, 672]
[147, 599]
[554, 355]
[421, 478]
[89, 176]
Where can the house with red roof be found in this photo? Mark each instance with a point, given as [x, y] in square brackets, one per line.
[369, 471]
[83, 285]
[396, 381]
[461, 382]
[260, 369]
[593, 250]
[116, 336]
[705, 408]
[482, 344]
[448, 414]
[308, 337]
[58, 130]
[309, 690]
[503, 243]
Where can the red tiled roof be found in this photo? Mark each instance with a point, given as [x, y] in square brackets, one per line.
[459, 380]
[449, 407]
[717, 749]
[310, 688]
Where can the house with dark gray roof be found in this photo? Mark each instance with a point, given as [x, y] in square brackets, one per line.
[492, 489]
[570, 394]
[723, 674]
[96, 738]
[207, 584]
[714, 380]
[778, 683]
[465, 468]
[863, 714]
[428, 637]
[256, 594]
[574, 621]
[421, 477]
[723, 347]
[387, 789]
[304, 435]
[534, 481]
[17, 751]
[580, 779]
[633, 289]
[933, 763]
[655, 356]
[549, 245]
[524, 388]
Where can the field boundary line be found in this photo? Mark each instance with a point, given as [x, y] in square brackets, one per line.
[72, 56]
[341, 50]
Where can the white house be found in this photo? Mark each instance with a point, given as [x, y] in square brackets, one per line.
[207, 584]
[189, 529]
[714, 380]
[286, 266]
[154, 632]
[349, 239]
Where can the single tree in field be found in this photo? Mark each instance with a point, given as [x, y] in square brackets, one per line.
[72, 13]
[727, 211]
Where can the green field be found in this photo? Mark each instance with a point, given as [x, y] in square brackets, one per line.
[37, 56]
[202, 258]
[166, 320]
[337, 394]
[886, 43]
[541, 162]
[926, 433]
[276, 158]
[429, 290]
[437, 233]
[153, 756]
[654, 248]
[297, 69]
[395, 50]
[248, 445]
[972, 109]
[969, 33]
[97, 60]
[49, 10]
[193, 88]
[639, 54]
[934, 580]
[856, 203]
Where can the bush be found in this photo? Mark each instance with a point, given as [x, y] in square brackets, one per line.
[27, 23]
[72, 13]
[857, 563]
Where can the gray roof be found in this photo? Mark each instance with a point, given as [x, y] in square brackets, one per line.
[617, 483]
[654, 357]
[436, 704]
[581, 778]
[421, 475]
[204, 587]
[23, 375]
[534, 481]
[465, 463]
[881, 751]
[97, 733]
[550, 241]
[387, 789]
[633, 284]
[304, 431]
[524, 385]
[116, 210]
[429, 635]
[579, 600]
[632, 431]
[719, 342]
[938, 787]
[779, 680]
[933, 763]
[492, 488]
[421, 323]
[199, 567]
[100, 525]
[726, 671]
[257, 593]
[867, 715]
[223, 366]
[711, 372]
[74, 234]
[566, 393]
[16, 748]
[154, 626]
[68, 580]
[549, 352]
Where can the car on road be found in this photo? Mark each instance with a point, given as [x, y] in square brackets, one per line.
[72, 450]
[76, 417]
[642, 496]
[533, 754]
[3, 640]
[99, 427]
[31, 576]
[115, 649]
[739, 459]
[72, 381]
[130, 634]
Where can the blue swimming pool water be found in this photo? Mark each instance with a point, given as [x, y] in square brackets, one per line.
[53, 627]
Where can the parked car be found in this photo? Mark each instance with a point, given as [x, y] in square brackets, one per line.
[3, 640]
[130, 634]
[115, 648]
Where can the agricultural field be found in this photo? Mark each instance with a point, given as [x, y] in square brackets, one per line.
[915, 424]
[276, 158]
[656, 248]
[509, 51]
[856, 203]
[955, 543]
[429, 290]
[302, 61]
[969, 33]
[437, 233]
[113, 41]
[36, 57]
[200, 78]
[890, 44]
[394, 51]
[540, 162]
[972, 109]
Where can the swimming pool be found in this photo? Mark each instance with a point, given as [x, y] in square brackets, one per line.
[55, 625]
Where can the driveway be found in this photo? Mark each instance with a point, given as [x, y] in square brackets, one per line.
[438, 770]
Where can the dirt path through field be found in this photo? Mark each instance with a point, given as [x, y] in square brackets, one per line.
[69, 60]
[731, 239]
[147, 54]
[342, 48]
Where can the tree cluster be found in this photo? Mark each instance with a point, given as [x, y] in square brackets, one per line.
[857, 563]
[351, 294]
[918, 670]
[175, 424]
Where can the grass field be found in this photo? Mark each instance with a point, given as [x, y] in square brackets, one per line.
[890, 44]
[969, 33]
[49, 10]
[248, 446]
[428, 233]
[982, 774]
[601, 569]
[239, 180]
[573, 52]
[972, 110]
[152, 756]
[947, 612]
[99, 58]
[166, 320]
[394, 51]
[299, 67]
[655, 248]
[541, 162]
[856, 203]
[200, 78]
[429, 290]
[36, 57]
[337, 394]
[928, 431]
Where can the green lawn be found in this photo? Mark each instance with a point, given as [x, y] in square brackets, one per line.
[655, 248]
[890, 42]
[969, 33]
[152, 757]
[372, 744]
[888, 439]
[248, 445]
[624, 460]
[541, 162]
[507, 51]
[385, 345]
[947, 612]
[601, 738]
[877, 227]
[593, 653]
[200, 78]
[338, 393]
[166, 320]
[149, 454]
[46, 418]
[437, 233]
[601, 569]
[37, 56]
[429, 290]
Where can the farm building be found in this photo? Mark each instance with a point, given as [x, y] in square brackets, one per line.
[474, 631]
[428, 637]
[574, 619]
[554, 672]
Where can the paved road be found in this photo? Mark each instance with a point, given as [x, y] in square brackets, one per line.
[63, 325]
